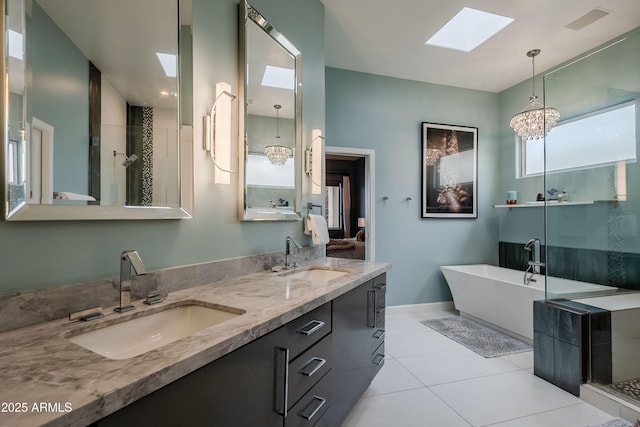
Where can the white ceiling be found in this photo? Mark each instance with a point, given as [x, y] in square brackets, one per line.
[387, 37]
[121, 40]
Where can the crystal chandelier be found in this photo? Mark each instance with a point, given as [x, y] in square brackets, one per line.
[277, 153]
[431, 156]
[535, 121]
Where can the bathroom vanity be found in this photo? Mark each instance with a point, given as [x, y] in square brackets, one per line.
[311, 371]
[303, 350]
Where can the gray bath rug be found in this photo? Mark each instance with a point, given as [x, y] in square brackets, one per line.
[615, 422]
[476, 337]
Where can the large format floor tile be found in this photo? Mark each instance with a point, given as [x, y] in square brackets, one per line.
[502, 397]
[429, 380]
[412, 408]
[453, 365]
[580, 415]
[418, 343]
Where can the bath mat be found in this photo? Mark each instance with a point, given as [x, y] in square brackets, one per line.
[630, 389]
[615, 422]
[476, 337]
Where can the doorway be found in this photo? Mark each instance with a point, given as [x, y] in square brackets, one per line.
[350, 183]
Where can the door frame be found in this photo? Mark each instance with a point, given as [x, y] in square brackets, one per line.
[369, 190]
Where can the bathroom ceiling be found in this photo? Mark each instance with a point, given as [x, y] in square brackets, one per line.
[387, 37]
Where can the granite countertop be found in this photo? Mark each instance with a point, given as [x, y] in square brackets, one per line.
[47, 380]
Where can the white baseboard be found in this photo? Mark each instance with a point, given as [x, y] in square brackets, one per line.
[419, 308]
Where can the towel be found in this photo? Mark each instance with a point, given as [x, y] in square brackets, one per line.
[66, 195]
[316, 226]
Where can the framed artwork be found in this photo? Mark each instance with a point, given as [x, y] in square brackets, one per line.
[449, 171]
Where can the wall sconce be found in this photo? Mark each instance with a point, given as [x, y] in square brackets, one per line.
[217, 133]
[313, 161]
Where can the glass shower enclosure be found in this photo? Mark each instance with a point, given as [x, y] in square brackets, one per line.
[592, 185]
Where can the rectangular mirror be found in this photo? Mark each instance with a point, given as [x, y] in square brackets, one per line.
[94, 126]
[270, 125]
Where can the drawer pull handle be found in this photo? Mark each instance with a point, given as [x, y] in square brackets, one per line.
[311, 327]
[371, 308]
[313, 407]
[378, 359]
[317, 363]
[378, 334]
[282, 381]
[381, 286]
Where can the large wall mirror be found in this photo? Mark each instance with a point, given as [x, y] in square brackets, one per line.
[270, 125]
[94, 125]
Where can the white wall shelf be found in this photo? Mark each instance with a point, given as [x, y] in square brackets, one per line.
[554, 203]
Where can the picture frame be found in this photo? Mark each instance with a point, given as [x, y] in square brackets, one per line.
[449, 171]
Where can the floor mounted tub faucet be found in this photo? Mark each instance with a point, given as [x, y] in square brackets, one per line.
[534, 264]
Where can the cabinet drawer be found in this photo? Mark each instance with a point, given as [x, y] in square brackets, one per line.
[310, 409]
[377, 359]
[306, 330]
[308, 368]
[377, 337]
[380, 285]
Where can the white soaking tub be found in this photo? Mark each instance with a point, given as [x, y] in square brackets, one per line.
[499, 298]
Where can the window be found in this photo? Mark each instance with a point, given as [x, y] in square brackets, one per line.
[334, 206]
[597, 139]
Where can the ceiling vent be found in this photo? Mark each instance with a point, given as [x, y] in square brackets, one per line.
[587, 19]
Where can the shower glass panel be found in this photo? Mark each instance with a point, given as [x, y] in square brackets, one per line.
[592, 186]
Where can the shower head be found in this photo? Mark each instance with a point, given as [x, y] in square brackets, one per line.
[128, 160]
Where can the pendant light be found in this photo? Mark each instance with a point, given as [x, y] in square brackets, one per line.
[278, 153]
[535, 121]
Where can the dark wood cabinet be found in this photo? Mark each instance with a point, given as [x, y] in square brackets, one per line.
[309, 372]
[358, 344]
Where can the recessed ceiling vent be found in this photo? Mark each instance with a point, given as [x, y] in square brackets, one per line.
[587, 19]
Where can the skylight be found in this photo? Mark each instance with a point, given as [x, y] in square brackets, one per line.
[282, 78]
[169, 63]
[468, 30]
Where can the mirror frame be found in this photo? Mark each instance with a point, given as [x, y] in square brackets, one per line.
[243, 147]
[39, 212]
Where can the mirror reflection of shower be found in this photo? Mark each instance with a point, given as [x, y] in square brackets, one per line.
[128, 160]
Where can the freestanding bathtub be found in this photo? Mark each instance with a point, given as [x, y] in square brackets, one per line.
[497, 296]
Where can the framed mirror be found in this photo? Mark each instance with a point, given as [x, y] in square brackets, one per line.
[94, 126]
[271, 123]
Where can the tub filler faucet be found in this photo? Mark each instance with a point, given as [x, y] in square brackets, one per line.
[129, 260]
[534, 264]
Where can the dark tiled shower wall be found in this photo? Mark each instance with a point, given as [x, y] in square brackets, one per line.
[618, 269]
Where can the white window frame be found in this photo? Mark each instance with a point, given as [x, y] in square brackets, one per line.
[521, 151]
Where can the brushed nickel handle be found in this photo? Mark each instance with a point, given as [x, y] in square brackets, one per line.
[318, 363]
[378, 359]
[371, 304]
[311, 327]
[312, 408]
[282, 381]
[379, 333]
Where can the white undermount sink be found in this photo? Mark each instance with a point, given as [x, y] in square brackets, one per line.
[141, 334]
[316, 274]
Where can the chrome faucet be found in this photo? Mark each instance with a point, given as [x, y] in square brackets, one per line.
[287, 251]
[128, 260]
[534, 264]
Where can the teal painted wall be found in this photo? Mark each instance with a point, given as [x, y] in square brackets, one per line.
[44, 254]
[385, 114]
[57, 63]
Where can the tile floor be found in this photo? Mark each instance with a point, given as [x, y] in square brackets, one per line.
[430, 380]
